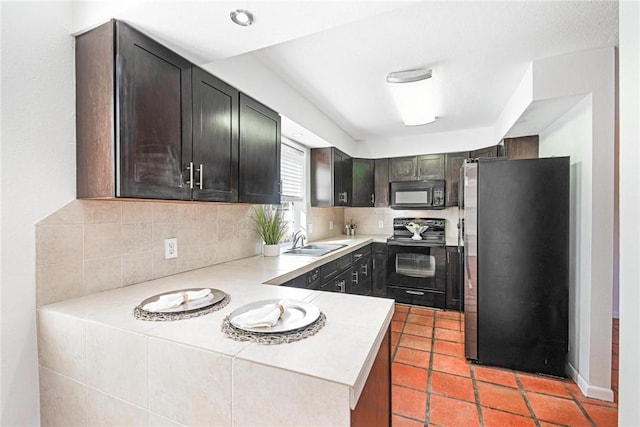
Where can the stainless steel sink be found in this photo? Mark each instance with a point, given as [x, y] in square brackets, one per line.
[316, 249]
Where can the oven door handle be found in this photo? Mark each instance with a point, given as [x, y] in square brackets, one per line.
[414, 292]
[411, 244]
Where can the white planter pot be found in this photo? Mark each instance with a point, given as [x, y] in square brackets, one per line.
[271, 250]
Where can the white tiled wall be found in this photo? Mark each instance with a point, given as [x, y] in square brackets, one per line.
[90, 246]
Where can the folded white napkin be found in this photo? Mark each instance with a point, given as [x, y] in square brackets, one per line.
[262, 317]
[173, 300]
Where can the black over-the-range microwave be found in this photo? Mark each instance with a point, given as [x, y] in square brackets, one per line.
[417, 194]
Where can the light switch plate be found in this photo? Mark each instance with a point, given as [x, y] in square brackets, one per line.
[171, 248]
[330, 225]
[380, 224]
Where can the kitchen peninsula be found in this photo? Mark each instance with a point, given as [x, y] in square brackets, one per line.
[100, 365]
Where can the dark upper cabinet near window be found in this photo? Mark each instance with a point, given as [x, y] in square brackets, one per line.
[133, 115]
[426, 166]
[152, 125]
[331, 180]
[215, 138]
[362, 184]
[259, 152]
[453, 164]
[381, 182]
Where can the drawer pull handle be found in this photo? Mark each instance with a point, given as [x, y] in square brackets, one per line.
[415, 292]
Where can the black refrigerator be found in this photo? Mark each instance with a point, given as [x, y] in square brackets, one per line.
[516, 266]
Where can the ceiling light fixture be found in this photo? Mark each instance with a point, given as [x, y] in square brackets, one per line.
[413, 93]
[242, 17]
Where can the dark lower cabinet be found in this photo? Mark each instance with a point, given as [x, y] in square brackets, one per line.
[308, 280]
[259, 166]
[362, 272]
[455, 295]
[379, 266]
[374, 405]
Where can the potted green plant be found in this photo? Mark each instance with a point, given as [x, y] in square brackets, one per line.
[270, 226]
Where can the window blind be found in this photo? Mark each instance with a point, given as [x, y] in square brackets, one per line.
[292, 173]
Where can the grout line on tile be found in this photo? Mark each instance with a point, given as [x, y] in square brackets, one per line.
[476, 395]
[526, 400]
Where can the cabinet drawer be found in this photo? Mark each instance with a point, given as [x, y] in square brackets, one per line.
[333, 268]
[422, 297]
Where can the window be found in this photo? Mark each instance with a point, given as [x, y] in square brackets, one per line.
[292, 174]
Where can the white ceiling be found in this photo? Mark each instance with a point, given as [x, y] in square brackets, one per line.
[337, 53]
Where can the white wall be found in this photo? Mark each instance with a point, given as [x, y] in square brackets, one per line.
[38, 177]
[571, 136]
[629, 381]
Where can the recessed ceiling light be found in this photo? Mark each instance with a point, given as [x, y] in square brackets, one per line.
[242, 17]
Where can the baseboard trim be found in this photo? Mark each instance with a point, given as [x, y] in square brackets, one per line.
[587, 390]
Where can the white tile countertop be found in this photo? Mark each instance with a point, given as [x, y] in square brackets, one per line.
[94, 346]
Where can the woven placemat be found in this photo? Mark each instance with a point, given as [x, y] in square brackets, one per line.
[276, 338]
[142, 314]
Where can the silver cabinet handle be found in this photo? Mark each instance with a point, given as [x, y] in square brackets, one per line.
[341, 286]
[201, 172]
[415, 292]
[357, 256]
[365, 269]
[355, 277]
[189, 167]
[373, 198]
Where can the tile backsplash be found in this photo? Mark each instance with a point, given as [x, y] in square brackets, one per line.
[90, 246]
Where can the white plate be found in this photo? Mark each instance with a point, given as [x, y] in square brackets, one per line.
[297, 314]
[213, 298]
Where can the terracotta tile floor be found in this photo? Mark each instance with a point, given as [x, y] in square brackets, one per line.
[434, 385]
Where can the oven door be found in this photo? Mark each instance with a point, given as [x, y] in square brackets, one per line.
[417, 274]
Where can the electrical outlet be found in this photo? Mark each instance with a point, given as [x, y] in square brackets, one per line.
[330, 225]
[310, 228]
[380, 224]
[171, 248]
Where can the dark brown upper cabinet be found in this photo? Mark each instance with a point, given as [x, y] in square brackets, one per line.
[331, 179]
[431, 166]
[484, 153]
[412, 168]
[381, 182]
[133, 115]
[362, 183]
[524, 147]
[259, 152]
[152, 125]
[214, 168]
[453, 163]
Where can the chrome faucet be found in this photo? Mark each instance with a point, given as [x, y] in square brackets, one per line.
[298, 236]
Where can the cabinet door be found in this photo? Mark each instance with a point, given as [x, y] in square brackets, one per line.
[453, 164]
[525, 147]
[321, 177]
[381, 182]
[403, 168]
[484, 153]
[341, 178]
[431, 166]
[454, 298]
[154, 111]
[259, 157]
[379, 267]
[215, 138]
[362, 184]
